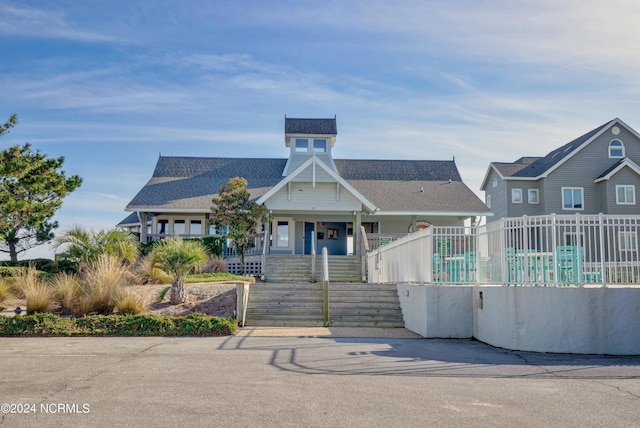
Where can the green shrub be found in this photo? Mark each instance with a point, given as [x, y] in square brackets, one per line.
[116, 325]
[146, 272]
[214, 245]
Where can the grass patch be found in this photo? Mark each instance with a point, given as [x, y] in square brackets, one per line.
[41, 325]
[217, 277]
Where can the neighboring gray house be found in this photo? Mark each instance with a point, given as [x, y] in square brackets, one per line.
[597, 172]
[313, 199]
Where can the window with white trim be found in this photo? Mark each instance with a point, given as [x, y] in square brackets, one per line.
[489, 201]
[627, 241]
[516, 196]
[302, 145]
[616, 149]
[533, 196]
[626, 195]
[320, 145]
[495, 182]
[572, 198]
[282, 234]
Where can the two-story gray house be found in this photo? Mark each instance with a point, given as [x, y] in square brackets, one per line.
[597, 172]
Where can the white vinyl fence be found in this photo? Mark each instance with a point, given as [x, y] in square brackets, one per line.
[540, 250]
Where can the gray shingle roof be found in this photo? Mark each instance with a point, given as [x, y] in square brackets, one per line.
[542, 165]
[393, 185]
[310, 126]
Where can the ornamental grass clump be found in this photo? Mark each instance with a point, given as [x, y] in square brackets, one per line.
[5, 290]
[130, 303]
[37, 294]
[102, 280]
[67, 289]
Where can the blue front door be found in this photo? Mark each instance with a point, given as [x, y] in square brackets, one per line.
[309, 230]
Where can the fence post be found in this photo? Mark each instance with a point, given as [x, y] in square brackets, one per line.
[554, 247]
[580, 250]
[602, 262]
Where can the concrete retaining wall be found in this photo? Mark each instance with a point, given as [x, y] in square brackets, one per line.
[539, 319]
[437, 312]
[572, 320]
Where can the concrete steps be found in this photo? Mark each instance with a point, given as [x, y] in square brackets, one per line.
[364, 305]
[297, 268]
[350, 305]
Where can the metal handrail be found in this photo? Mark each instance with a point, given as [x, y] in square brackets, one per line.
[325, 286]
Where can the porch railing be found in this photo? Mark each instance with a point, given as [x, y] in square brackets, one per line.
[542, 250]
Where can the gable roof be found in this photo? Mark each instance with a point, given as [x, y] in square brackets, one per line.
[188, 184]
[317, 161]
[613, 170]
[558, 156]
[507, 169]
[310, 126]
[541, 167]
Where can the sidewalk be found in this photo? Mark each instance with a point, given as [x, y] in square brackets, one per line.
[397, 333]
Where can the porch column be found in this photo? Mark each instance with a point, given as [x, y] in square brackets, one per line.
[207, 219]
[413, 224]
[143, 226]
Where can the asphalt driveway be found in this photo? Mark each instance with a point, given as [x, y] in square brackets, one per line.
[300, 380]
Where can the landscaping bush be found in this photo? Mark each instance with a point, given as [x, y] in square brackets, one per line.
[102, 281]
[129, 303]
[214, 264]
[146, 272]
[214, 245]
[5, 290]
[217, 277]
[67, 289]
[116, 325]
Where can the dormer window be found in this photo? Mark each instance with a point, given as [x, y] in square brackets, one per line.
[320, 145]
[616, 149]
[302, 145]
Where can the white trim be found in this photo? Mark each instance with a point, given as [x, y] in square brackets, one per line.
[513, 200]
[576, 150]
[486, 176]
[626, 162]
[626, 186]
[618, 148]
[315, 160]
[537, 192]
[562, 189]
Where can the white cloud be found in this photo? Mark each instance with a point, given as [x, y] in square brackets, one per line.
[41, 23]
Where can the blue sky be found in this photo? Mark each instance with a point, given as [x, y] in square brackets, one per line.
[111, 85]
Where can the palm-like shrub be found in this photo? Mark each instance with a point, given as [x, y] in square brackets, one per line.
[148, 272]
[82, 245]
[178, 258]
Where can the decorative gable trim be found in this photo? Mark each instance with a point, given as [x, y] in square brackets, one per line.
[313, 161]
[626, 162]
[485, 181]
